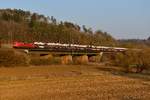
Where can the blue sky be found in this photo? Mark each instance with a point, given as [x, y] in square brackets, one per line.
[121, 18]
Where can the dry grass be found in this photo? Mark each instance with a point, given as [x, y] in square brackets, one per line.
[70, 82]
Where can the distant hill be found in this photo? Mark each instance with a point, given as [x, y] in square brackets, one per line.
[19, 25]
[135, 43]
[148, 39]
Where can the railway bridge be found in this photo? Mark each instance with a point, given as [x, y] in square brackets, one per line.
[76, 55]
[67, 52]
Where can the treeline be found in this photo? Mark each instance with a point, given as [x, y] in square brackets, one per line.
[135, 43]
[19, 25]
[139, 60]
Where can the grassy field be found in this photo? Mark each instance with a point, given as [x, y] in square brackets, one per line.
[72, 82]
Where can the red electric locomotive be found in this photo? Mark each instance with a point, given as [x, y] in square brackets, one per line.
[23, 45]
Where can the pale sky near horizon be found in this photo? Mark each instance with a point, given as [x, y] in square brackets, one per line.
[121, 18]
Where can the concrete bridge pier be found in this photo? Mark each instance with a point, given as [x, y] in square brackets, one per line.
[80, 59]
[66, 59]
[95, 58]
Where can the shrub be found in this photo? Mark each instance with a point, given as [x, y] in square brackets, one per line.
[11, 58]
[139, 60]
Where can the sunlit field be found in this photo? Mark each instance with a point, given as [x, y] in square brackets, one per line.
[72, 82]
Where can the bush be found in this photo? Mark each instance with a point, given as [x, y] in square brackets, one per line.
[11, 58]
[139, 60]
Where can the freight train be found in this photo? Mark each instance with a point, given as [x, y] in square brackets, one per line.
[69, 47]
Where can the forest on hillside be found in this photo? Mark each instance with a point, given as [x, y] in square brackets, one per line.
[19, 25]
[26, 26]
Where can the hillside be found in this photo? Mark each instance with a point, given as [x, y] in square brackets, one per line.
[19, 25]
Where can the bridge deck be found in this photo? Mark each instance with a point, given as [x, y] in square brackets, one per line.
[69, 51]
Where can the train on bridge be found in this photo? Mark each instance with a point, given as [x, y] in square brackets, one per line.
[66, 47]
